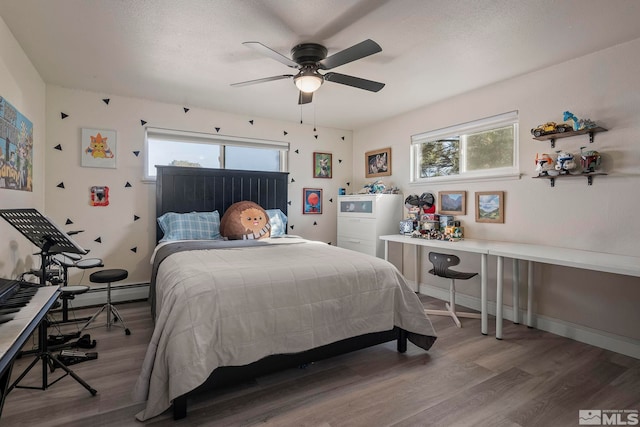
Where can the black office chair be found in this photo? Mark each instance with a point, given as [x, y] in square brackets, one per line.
[441, 264]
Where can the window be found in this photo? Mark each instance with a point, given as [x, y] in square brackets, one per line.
[181, 148]
[486, 148]
[252, 158]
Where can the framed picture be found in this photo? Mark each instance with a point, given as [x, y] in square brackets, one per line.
[452, 202]
[98, 148]
[490, 206]
[322, 166]
[312, 200]
[377, 163]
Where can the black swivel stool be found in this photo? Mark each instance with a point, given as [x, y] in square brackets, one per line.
[108, 277]
[441, 264]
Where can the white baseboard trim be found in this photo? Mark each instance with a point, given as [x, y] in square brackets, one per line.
[602, 339]
[97, 295]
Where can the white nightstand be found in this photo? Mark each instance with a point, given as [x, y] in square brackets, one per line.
[362, 218]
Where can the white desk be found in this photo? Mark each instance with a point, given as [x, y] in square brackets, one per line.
[597, 261]
[466, 245]
[588, 260]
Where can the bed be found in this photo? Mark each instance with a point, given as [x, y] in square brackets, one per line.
[227, 311]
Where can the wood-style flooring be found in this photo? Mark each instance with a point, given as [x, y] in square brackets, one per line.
[531, 378]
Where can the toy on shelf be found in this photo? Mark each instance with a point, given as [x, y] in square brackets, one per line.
[565, 162]
[433, 230]
[427, 202]
[378, 187]
[589, 160]
[545, 164]
[375, 187]
[413, 213]
[411, 202]
[549, 128]
[579, 124]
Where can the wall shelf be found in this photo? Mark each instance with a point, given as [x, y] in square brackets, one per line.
[553, 136]
[552, 179]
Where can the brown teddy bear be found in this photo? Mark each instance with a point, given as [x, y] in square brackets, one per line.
[245, 221]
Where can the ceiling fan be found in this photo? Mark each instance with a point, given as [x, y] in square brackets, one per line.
[309, 58]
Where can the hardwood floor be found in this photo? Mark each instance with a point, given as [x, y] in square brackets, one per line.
[531, 378]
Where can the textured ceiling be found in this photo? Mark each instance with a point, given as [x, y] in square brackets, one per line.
[188, 52]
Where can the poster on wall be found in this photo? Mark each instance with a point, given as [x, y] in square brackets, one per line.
[99, 195]
[16, 148]
[312, 200]
[98, 148]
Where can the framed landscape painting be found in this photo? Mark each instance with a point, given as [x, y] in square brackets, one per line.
[490, 206]
[452, 202]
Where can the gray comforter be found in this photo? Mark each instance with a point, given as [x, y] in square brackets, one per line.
[239, 302]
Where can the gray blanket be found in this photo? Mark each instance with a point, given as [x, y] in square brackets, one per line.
[189, 245]
[240, 302]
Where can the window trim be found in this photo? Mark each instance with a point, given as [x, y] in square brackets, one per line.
[485, 124]
[213, 139]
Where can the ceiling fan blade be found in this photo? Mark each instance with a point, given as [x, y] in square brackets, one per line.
[354, 81]
[305, 97]
[260, 48]
[358, 51]
[266, 79]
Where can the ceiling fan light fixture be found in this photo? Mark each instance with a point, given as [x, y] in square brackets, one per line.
[309, 58]
[308, 81]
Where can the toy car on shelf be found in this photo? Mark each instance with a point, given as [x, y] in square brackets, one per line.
[549, 128]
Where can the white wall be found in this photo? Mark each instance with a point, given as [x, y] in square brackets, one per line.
[21, 85]
[604, 87]
[114, 224]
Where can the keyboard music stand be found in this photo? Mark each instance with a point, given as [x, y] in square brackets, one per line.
[47, 236]
[43, 233]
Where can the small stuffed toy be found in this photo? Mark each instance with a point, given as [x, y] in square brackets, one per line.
[245, 221]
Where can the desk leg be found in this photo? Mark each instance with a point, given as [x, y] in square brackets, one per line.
[530, 294]
[416, 268]
[386, 250]
[499, 283]
[484, 323]
[516, 291]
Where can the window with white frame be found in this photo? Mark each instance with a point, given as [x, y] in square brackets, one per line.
[195, 149]
[485, 148]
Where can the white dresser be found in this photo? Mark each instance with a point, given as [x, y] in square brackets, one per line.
[362, 218]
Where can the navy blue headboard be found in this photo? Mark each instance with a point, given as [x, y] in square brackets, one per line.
[186, 189]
